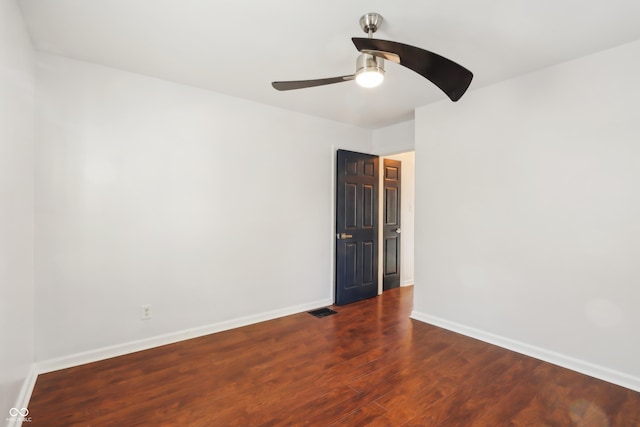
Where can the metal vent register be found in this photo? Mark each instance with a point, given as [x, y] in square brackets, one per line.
[322, 312]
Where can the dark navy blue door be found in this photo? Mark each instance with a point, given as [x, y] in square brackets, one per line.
[356, 227]
[391, 224]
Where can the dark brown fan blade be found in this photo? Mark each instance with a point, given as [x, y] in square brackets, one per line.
[453, 79]
[301, 84]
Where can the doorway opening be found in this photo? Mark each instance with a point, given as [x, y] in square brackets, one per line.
[397, 248]
[374, 215]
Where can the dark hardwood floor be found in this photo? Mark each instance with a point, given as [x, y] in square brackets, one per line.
[367, 365]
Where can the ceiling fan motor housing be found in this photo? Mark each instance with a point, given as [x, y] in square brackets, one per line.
[369, 70]
[368, 62]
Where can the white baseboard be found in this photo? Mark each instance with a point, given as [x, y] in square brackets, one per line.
[577, 365]
[156, 341]
[24, 397]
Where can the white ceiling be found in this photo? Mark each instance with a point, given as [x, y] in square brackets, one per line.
[238, 47]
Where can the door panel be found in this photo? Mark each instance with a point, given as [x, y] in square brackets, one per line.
[356, 227]
[368, 260]
[391, 254]
[368, 208]
[351, 208]
[391, 224]
[391, 205]
[351, 272]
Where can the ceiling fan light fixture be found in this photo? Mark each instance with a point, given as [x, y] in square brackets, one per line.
[369, 70]
[453, 79]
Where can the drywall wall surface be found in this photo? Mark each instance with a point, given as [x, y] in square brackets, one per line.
[208, 208]
[528, 211]
[394, 139]
[16, 206]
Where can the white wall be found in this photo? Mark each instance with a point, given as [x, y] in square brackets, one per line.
[16, 207]
[394, 139]
[528, 214]
[208, 207]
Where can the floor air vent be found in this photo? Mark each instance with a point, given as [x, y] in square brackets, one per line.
[322, 312]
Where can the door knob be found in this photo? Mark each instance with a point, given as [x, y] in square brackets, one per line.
[345, 236]
[398, 231]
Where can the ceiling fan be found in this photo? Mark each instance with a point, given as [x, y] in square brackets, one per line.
[453, 79]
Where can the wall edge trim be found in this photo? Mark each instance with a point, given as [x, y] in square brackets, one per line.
[577, 365]
[90, 356]
[25, 395]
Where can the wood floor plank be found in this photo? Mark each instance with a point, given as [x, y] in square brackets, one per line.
[368, 415]
[370, 364]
